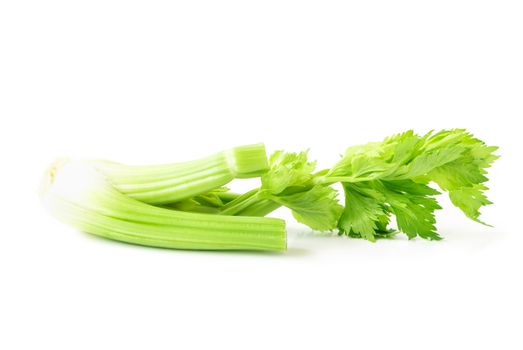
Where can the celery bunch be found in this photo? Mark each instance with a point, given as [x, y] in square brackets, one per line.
[97, 197]
[186, 205]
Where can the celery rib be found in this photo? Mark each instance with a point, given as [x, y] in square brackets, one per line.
[260, 208]
[172, 236]
[163, 184]
[81, 196]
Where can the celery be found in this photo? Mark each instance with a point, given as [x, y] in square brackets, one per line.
[162, 184]
[81, 196]
[380, 180]
[185, 205]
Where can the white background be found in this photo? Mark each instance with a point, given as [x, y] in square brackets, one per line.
[150, 81]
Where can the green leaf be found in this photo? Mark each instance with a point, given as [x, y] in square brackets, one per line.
[290, 182]
[464, 177]
[288, 171]
[429, 161]
[317, 208]
[364, 211]
[369, 204]
[392, 177]
[470, 200]
[413, 205]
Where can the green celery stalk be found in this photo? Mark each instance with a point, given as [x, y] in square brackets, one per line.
[251, 203]
[260, 208]
[168, 183]
[79, 195]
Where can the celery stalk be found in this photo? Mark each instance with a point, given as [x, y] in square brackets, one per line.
[168, 183]
[260, 208]
[81, 196]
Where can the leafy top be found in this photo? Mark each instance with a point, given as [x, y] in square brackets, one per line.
[392, 177]
[290, 182]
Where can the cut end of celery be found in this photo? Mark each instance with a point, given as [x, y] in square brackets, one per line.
[248, 161]
[50, 175]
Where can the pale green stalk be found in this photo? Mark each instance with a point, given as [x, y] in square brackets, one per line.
[168, 183]
[79, 195]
